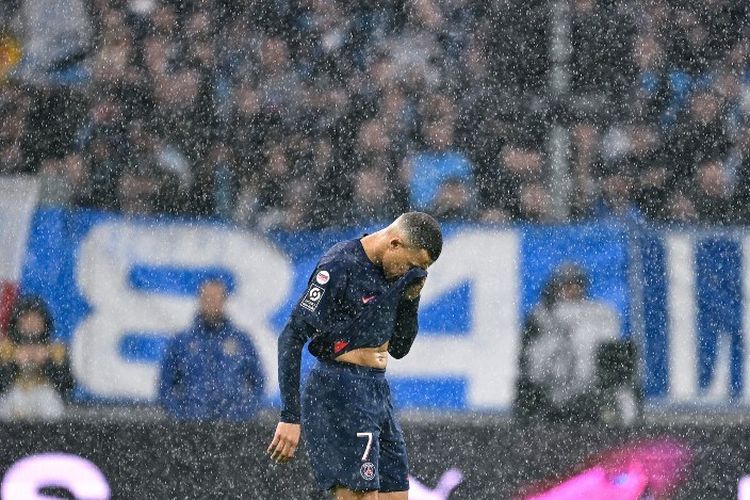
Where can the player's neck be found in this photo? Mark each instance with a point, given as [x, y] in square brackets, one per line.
[374, 246]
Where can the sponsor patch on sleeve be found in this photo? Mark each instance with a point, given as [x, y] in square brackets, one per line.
[322, 277]
[312, 297]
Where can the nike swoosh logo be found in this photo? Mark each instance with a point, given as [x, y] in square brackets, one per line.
[368, 298]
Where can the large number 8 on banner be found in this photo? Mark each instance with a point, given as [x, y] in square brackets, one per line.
[262, 277]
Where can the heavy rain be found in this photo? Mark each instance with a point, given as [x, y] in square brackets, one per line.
[423, 249]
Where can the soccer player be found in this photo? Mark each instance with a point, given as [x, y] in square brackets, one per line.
[360, 307]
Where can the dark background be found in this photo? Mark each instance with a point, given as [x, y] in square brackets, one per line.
[157, 460]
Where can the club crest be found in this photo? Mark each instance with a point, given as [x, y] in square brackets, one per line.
[367, 471]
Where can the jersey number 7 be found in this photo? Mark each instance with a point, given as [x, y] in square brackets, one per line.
[368, 435]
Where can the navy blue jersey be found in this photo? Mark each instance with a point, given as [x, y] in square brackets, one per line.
[348, 304]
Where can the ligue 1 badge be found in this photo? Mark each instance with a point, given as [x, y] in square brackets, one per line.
[312, 298]
[368, 471]
[322, 277]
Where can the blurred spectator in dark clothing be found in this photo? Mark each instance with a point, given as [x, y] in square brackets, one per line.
[651, 85]
[689, 48]
[737, 167]
[114, 64]
[601, 37]
[700, 135]
[379, 151]
[497, 115]
[35, 378]
[295, 210]
[615, 201]
[645, 161]
[53, 119]
[454, 201]
[105, 121]
[247, 209]
[211, 371]
[145, 188]
[372, 199]
[535, 203]
[652, 192]
[713, 197]
[573, 365]
[280, 88]
[249, 128]
[680, 209]
[65, 181]
[215, 188]
[628, 173]
[14, 114]
[105, 167]
[519, 45]
[519, 165]
[276, 172]
[375, 145]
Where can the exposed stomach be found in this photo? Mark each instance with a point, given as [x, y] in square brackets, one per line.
[374, 357]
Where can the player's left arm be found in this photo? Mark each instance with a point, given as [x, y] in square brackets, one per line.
[407, 322]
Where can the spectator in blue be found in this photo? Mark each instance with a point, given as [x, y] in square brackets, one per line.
[211, 371]
[429, 170]
[615, 201]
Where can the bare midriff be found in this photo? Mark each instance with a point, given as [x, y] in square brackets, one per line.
[374, 357]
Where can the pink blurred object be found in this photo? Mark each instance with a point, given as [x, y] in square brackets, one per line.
[655, 466]
[597, 484]
[446, 484]
[743, 489]
[665, 461]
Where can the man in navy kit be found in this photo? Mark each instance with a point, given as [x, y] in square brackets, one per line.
[360, 307]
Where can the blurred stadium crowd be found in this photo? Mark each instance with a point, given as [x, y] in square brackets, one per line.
[310, 113]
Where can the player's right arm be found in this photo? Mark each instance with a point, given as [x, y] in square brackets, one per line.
[311, 315]
[311, 312]
[291, 341]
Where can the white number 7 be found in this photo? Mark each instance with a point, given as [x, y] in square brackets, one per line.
[368, 435]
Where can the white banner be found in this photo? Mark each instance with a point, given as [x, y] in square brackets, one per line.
[18, 199]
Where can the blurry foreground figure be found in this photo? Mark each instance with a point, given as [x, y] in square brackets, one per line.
[573, 366]
[35, 379]
[448, 482]
[211, 371]
[644, 469]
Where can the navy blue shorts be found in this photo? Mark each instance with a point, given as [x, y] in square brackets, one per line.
[351, 433]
